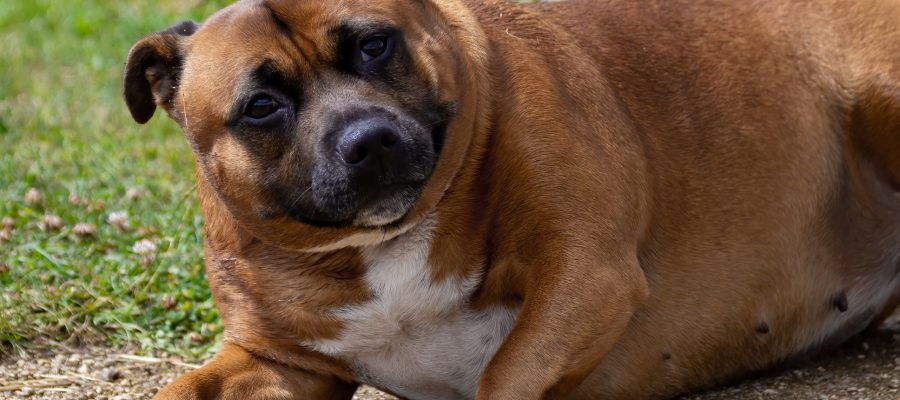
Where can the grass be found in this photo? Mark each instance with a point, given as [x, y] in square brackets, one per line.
[64, 131]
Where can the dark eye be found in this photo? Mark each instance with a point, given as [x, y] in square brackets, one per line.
[261, 106]
[373, 48]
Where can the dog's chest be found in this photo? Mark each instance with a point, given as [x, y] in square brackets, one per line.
[418, 337]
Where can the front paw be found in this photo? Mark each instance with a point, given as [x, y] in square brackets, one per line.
[235, 374]
[212, 385]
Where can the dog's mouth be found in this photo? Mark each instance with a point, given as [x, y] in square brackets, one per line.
[438, 135]
[380, 208]
[388, 205]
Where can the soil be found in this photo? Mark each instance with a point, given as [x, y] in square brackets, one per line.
[867, 367]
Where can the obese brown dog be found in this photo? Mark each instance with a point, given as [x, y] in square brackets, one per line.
[591, 199]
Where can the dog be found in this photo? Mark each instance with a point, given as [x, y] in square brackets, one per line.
[461, 199]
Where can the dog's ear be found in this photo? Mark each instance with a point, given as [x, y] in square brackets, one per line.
[153, 68]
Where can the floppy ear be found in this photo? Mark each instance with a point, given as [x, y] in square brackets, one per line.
[152, 70]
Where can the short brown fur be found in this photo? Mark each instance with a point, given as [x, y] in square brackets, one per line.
[673, 193]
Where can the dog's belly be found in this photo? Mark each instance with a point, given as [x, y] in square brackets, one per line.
[417, 337]
[723, 304]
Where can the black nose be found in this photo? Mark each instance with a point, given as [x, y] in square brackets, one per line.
[369, 143]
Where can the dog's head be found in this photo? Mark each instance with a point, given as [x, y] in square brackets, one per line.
[319, 123]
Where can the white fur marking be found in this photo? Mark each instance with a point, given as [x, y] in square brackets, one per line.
[416, 337]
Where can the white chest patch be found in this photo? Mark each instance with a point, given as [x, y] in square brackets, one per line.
[416, 337]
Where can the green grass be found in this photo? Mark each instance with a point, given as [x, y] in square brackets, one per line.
[65, 131]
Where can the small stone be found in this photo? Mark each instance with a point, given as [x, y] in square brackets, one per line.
[196, 337]
[34, 196]
[109, 374]
[59, 359]
[26, 392]
[83, 229]
[770, 392]
[6, 234]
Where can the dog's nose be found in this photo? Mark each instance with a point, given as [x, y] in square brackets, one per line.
[369, 143]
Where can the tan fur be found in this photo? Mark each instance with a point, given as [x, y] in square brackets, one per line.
[672, 194]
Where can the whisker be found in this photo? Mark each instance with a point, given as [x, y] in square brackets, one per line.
[298, 197]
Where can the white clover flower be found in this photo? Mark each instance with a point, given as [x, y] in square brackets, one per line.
[50, 223]
[34, 196]
[144, 247]
[119, 219]
[84, 229]
[132, 193]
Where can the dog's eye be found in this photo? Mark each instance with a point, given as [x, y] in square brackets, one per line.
[373, 48]
[261, 106]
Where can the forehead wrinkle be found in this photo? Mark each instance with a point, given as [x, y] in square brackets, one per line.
[269, 66]
[284, 31]
[254, 29]
[297, 58]
[307, 48]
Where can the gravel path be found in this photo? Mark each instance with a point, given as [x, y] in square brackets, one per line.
[866, 368]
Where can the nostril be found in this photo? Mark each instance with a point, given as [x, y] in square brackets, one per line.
[368, 143]
[388, 139]
[356, 155]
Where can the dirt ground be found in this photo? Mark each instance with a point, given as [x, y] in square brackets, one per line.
[868, 367]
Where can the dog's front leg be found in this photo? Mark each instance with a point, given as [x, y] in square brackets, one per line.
[235, 374]
[574, 310]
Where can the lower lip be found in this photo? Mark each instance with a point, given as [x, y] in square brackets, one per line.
[388, 192]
